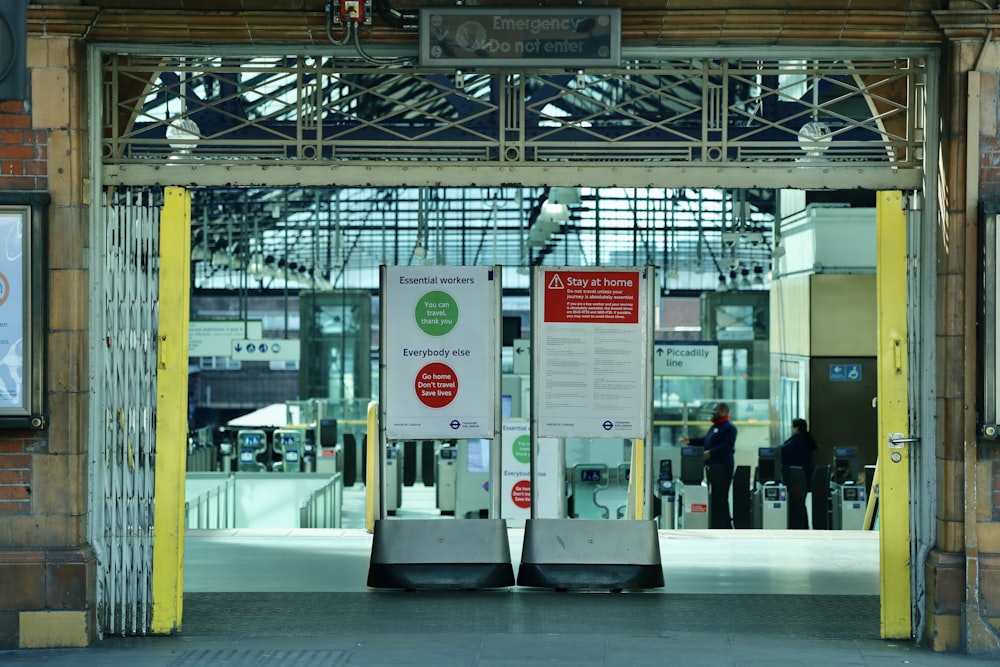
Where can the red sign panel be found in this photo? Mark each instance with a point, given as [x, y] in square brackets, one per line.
[592, 297]
[436, 385]
[520, 493]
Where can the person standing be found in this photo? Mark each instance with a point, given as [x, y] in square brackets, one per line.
[798, 450]
[719, 446]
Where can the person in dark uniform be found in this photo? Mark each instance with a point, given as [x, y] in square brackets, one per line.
[798, 450]
[719, 446]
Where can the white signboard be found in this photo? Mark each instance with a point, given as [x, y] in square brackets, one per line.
[522, 356]
[265, 349]
[686, 359]
[214, 338]
[440, 351]
[591, 337]
[515, 476]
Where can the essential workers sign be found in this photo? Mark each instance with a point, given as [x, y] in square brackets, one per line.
[440, 351]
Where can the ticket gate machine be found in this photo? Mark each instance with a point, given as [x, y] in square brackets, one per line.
[250, 444]
[691, 492]
[585, 481]
[849, 506]
[447, 474]
[667, 493]
[769, 499]
[289, 447]
[848, 499]
[845, 465]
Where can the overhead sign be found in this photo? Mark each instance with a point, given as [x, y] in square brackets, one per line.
[440, 351]
[264, 349]
[213, 338]
[591, 334]
[577, 37]
[686, 359]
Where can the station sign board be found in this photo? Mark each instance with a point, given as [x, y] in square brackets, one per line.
[576, 37]
[214, 338]
[687, 359]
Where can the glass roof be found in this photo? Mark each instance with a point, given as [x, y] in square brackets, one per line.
[323, 238]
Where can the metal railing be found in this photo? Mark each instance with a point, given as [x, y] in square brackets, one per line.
[213, 509]
[324, 507]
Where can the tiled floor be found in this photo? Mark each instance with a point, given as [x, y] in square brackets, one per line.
[299, 598]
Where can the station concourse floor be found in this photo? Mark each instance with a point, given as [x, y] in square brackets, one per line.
[298, 598]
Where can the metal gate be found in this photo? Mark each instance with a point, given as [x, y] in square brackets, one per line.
[125, 310]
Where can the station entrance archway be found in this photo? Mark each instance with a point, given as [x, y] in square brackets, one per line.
[839, 120]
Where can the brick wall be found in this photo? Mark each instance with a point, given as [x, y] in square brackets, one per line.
[23, 151]
[15, 477]
[47, 569]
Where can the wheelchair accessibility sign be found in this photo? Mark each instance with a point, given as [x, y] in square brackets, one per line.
[845, 372]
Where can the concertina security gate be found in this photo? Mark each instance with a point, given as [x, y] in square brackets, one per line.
[126, 311]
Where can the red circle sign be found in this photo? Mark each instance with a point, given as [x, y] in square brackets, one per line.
[436, 385]
[520, 493]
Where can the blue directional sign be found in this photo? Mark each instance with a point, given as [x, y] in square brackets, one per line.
[845, 372]
[264, 350]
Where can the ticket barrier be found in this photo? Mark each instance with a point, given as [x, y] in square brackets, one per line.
[821, 519]
[666, 491]
[848, 500]
[691, 491]
[849, 506]
[612, 499]
[227, 455]
[393, 478]
[795, 479]
[447, 473]
[741, 498]
[845, 465]
[586, 480]
[251, 444]
[769, 500]
[289, 446]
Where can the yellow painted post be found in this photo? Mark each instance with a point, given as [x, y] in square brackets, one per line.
[171, 411]
[893, 416]
[373, 472]
[637, 479]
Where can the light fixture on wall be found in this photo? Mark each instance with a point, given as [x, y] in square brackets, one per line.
[814, 139]
[548, 222]
[815, 136]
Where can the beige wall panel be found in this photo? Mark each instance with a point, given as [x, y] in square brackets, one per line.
[790, 315]
[842, 321]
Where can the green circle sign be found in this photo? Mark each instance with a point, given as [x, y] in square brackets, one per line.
[522, 448]
[436, 313]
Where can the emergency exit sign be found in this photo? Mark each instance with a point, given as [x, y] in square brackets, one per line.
[577, 37]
